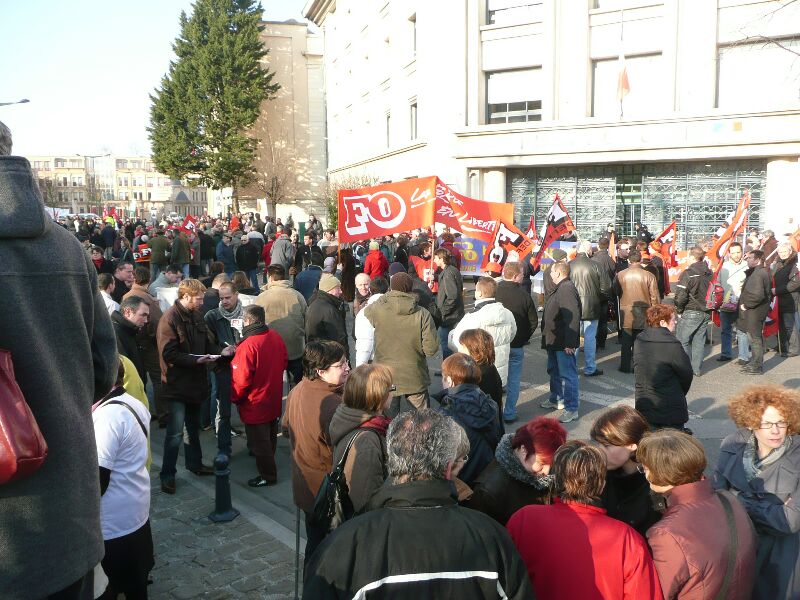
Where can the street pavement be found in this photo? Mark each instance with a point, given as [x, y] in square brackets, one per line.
[254, 555]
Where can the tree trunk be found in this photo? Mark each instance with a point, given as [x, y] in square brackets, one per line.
[235, 202]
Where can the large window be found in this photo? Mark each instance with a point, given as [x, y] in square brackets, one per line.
[759, 76]
[513, 12]
[647, 97]
[514, 96]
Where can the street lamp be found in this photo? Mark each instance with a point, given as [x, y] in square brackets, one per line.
[23, 101]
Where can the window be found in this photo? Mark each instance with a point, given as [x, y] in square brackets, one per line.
[60, 163]
[771, 73]
[135, 164]
[514, 96]
[61, 196]
[646, 99]
[413, 116]
[64, 182]
[388, 129]
[122, 164]
[149, 196]
[513, 12]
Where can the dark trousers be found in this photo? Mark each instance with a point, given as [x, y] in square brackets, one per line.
[295, 369]
[262, 439]
[756, 350]
[83, 589]
[314, 538]
[788, 340]
[127, 563]
[602, 328]
[195, 271]
[626, 338]
[407, 403]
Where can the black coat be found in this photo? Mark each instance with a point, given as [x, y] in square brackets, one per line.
[607, 264]
[513, 297]
[325, 319]
[627, 498]
[247, 256]
[663, 375]
[592, 284]
[787, 284]
[492, 386]
[755, 297]
[561, 321]
[692, 287]
[126, 342]
[450, 297]
[206, 246]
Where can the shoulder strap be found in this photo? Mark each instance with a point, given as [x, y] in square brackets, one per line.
[347, 450]
[732, 544]
[133, 412]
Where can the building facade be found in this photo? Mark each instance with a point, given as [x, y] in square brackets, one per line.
[291, 154]
[517, 100]
[84, 184]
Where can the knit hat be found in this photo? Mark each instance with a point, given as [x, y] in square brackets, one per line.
[374, 246]
[558, 254]
[328, 282]
[395, 268]
[330, 264]
[401, 282]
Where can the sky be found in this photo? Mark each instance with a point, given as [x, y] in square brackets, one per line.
[88, 68]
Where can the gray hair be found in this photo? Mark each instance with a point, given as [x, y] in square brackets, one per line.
[421, 444]
[768, 233]
[585, 246]
[5, 140]
[131, 303]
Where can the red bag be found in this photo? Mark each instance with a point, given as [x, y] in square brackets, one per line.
[715, 294]
[22, 446]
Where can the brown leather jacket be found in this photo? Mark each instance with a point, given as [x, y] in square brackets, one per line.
[637, 291]
[182, 333]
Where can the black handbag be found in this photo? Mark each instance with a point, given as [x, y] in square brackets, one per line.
[332, 505]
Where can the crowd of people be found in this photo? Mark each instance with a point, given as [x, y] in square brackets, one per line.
[452, 496]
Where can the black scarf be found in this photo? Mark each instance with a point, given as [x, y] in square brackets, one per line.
[253, 329]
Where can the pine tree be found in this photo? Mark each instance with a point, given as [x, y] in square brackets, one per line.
[202, 114]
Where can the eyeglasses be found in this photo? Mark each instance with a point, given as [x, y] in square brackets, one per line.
[343, 364]
[768, 425]
[392, 388]
[465, 458]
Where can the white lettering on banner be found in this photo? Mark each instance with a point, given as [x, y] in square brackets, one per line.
[668, 237]
[418, 198]
[470, 223]
[360, 210]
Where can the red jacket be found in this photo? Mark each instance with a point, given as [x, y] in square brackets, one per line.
[265, 254]
[257, 377]
[576, 551]
[376, 264]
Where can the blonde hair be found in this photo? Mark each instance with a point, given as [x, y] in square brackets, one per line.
[367, 387]
[191, 287]
[671, 457]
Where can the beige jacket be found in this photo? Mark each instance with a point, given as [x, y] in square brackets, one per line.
[285, 310]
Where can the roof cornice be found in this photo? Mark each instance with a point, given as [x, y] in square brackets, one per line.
[317, 10]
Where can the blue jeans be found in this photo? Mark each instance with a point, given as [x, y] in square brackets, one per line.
[589, 329]
[209, 409]
[444, 333]
[563, 371]
[691, 333]
[252, 274]
[185, 269]
[727, 321]
[181, 414]
[512, 385]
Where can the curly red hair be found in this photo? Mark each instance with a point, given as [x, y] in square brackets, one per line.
[747, 408]
[540, 436]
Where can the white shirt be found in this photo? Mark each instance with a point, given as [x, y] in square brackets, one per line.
[122, 449]
[111, 304]
[365, 334]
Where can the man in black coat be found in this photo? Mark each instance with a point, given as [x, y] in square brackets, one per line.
[609, 267]
[247, 256]
[449, 298]
[207, 251]
[325, 316]
[593, 287]
[513, 296]
[754, 308]
[419, 509]
[787, 288]
[132, 315]
[690, 300]
[561, 337]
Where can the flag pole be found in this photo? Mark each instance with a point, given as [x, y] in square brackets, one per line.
[622, 53]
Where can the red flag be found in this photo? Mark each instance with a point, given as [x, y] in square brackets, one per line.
[531, 233]
[189, 224]
[773, 317]
[142, 254]
[666, 245]
[733, 225]
[234, 223]
[477, 219]
[623, 85]
[558, 223]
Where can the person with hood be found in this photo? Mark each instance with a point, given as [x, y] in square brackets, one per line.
[786, 279]
[325, 317]
[405, 337]
[491, 316]
[593, 287]
[754, 303]
[367, 393]
[257, 390]
[690, 300]
[307, 281]
[376, 264]
[519, 475]
[476, 412]
[662, 371]
[363, 330]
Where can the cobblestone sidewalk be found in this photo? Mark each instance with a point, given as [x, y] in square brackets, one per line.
[196, 558]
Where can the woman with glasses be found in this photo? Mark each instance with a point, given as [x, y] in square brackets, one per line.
[662, 370]
[360, 418]
[761, 464]
[520, 472]
[309, 409]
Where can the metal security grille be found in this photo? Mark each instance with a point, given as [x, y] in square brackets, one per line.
[698, 195]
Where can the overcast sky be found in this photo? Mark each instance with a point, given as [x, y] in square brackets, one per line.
[88, 68]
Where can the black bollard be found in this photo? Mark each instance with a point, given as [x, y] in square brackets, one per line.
[223, 509]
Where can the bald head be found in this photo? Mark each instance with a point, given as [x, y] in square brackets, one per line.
[362, 283]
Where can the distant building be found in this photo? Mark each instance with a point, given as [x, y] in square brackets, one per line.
[517, 100]
[292, 155]
[128, 183]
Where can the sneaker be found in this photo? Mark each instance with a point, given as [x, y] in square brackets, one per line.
[552, 405]
[568, 415]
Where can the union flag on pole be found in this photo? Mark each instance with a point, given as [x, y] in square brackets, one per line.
[664, 245]
[189, 224]
[558, 223]
[733, 225]
[794, 240]
[623, 85]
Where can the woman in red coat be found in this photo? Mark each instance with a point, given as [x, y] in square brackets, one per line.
[376, 264]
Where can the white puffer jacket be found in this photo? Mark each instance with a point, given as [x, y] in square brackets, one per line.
[498, 321]
[365, 334]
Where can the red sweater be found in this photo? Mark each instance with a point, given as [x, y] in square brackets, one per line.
[576, 551]
[376, 264]
[257, 377]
